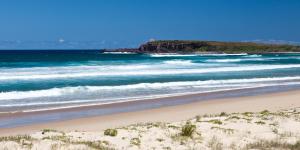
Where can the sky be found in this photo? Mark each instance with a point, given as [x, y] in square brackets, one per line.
[128, 23]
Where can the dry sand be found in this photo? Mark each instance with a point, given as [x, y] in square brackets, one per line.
[243, 131]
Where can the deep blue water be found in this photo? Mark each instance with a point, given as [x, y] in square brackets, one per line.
[47, 79]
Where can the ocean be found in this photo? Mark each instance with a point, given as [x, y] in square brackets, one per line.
[45, 79]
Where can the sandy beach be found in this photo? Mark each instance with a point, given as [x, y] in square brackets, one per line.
[272, 102]
[150, 75]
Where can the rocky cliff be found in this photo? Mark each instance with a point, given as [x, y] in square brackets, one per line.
[176, 46]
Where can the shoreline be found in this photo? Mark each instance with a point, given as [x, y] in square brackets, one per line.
[127, 100]
[273, 102]
[19, 119]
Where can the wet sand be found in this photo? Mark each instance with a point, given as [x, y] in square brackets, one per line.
[273, 102]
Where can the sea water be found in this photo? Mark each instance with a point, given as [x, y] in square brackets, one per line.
[44, 79]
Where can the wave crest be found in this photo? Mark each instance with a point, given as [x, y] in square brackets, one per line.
[139, 72]
[172, 55]
[56, 92]
[236, 60]
[179, 62]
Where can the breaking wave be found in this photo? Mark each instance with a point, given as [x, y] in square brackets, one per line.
[179, 62]
[56, 92]
[79, 73]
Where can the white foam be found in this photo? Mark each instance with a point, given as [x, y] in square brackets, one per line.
[241, 54]
[254, 55]
[129, 99]
[189, 55]
[172, 55]
[235, 60]
[223, 60]
[55, 92]
[179, 62]
[139, 72]
[119, 53]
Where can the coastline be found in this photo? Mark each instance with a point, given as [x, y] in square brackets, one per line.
[272, 102]
[25, 118]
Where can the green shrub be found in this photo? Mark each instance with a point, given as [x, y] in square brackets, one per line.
[111, 132]
[188, 129]
[135, 141]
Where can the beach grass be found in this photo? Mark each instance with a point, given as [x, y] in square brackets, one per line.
[188, 129]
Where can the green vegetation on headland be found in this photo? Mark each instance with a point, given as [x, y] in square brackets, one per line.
[181, 46]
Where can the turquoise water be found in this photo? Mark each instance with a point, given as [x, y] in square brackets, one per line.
[32, 80]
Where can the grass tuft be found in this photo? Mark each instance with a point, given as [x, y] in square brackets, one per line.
[188, 129]
[198, 118]
[260, 122]
[215, 121]
[160, 139]
[233, 117]
[135, 141]
[18, 138]
[48, 130]
[111, 132]
[222, 114]
[248, 114]
[227, 131]
[263, 144]
[265, 112]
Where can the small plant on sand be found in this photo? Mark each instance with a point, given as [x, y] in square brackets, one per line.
[188, 129]
[198, 118]
[233, 117]
[24, 140]
[265, 112]
[275, 130]
[227, 131]
[247, 119]
[215, 144]
[248, 114]
[18, 138]
[215, 121]
[260, 122]
[160, 139]
[173, 126]
[111, 132]
[166, 148]
[48, 130]
[92, 144]
[205, 115]
[222, 114]
[54, 146]
[263, 144]
[286, 134]
[275, 124]
[135, 141]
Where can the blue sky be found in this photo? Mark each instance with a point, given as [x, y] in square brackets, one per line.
[122, 23]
